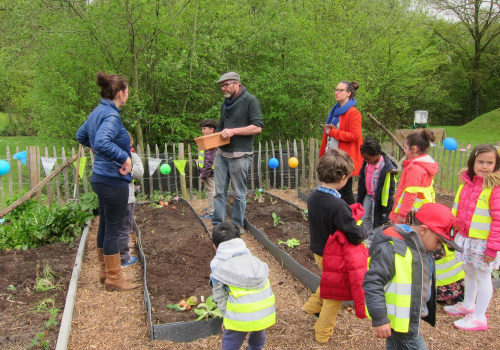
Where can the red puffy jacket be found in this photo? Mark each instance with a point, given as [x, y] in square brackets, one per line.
[344, 267]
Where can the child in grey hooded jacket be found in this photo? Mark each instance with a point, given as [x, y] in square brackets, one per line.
[241, 289]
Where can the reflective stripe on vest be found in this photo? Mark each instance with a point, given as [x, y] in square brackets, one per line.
[201, 159]
[385, 190]
[427, 192]
[448, 268]
[480, 224]
[250, 310]
[398, 292]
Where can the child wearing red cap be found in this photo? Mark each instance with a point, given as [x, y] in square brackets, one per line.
[477, 207]
[400, 284]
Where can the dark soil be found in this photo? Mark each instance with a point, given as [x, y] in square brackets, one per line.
[294, 226]
[19, 322]
[178, 252]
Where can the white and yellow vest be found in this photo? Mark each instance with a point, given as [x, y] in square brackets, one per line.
[480, 225]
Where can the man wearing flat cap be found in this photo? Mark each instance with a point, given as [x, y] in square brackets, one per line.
[240, 119]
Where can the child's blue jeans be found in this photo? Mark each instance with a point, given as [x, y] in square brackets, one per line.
[405, 341]
[232, 340]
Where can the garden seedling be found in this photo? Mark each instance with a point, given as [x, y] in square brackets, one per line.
[272, 200]
[292, 243]
[207, 309]
[40, 341]
[45, 281]
[258, 196]
[276, 220]
[305, 214]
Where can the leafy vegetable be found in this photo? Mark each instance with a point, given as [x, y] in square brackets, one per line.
[276, 220]
[292, 243]
[207, 309]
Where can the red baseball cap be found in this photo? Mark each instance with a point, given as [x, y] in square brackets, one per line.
[439, 219]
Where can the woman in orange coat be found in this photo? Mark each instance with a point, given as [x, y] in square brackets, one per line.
[343, 131]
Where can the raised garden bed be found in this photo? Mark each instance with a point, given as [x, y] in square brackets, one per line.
[175, 252]
[30, 314]
[259, 220]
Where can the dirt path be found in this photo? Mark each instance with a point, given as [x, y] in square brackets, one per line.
[105, 320]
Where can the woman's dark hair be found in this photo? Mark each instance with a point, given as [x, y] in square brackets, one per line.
[371, 147]
[334, 165]
[422, 139]
[110, 84]
[484, 148]
[210, 123]
[351, 87]
[224, 232]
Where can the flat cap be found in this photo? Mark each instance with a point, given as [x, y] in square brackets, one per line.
[229, 76]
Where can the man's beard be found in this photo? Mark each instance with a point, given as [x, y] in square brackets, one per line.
[227, 95]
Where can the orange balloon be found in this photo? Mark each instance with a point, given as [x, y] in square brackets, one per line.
[293, 162]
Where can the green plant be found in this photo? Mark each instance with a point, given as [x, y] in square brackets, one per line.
[207, 309]
[305, 214]
[276, 220]
[292, 243]
[11, 287]
[258, 195]
[45, 281]
[44, 305]
[272, 200]
[89, 202]
[40, 341]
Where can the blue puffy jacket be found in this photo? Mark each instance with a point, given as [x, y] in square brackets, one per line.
[104, 132]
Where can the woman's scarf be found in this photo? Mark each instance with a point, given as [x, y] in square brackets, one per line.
[337, 111]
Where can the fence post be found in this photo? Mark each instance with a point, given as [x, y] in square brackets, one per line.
[183, 174]
[33, 169]
[311, 162]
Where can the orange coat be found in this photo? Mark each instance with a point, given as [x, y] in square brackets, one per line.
[350, 137]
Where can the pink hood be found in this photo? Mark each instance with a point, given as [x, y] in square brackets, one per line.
[418, 171]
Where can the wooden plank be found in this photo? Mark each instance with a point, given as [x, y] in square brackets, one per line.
[7, 155]
[310, 180]
[190, 172]
[268, 180]
[84, 178]
[49, 184]
[259, 163]
[65, 176]
[58, 190]
[20, 170]
[303, 159]
[296, 155]
[252, 176]
[200, 184]
[150, 177]
[174, 170]
[140, 153]
[289, 172]
[274, 170]
[76, 185]
[316, 158]
[454, 172]
[182, 177]
[33, 169]
[281, 164]
[158, 173]
[171, 166]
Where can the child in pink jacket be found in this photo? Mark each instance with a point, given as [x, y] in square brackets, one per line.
[415, 184]
[477, 208]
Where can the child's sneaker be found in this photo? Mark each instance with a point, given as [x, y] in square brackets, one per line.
[458, 309]
[207, 216]
[470, 323]
[131, 261]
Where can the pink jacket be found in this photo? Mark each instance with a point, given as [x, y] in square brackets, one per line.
[417, 171]
[468, 199]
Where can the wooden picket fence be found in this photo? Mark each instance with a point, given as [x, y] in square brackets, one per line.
[67, 185]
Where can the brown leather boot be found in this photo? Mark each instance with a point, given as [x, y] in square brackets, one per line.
[114, 276]
[102, 265]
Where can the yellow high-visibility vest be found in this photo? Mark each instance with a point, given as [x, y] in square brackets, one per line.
[448, 268]
[250, 310]
[480, 225]
[385, 190]
[398, 292]
[201, 159]
[427, 192]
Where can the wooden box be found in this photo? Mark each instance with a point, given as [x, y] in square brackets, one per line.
[211, 141]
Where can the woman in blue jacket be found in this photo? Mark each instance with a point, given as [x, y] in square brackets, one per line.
[104, 132]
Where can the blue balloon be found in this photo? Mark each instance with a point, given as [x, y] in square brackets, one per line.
[450, 144]
[273, 163]
[4, 167]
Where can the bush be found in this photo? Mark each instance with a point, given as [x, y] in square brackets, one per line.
[32, 224]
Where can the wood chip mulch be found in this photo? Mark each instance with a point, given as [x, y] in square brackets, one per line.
[104, 320]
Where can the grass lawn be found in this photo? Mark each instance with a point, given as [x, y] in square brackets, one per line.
[483, 129]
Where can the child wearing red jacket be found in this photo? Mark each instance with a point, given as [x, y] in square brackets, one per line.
[344, 267]
[415, 185]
